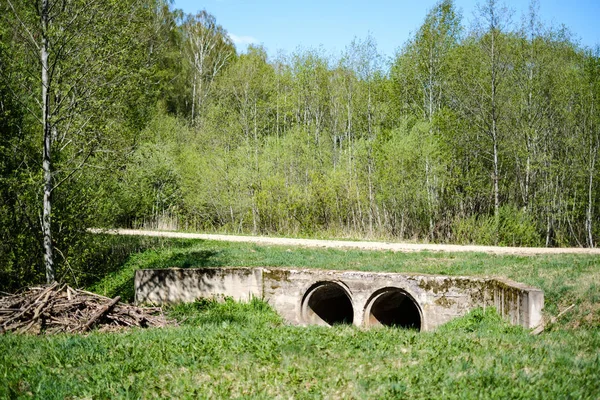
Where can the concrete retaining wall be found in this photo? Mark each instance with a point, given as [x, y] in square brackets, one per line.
[309, 296]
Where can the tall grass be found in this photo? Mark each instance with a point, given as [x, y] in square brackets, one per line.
[565, 279]
[245, 350]
[230, 350]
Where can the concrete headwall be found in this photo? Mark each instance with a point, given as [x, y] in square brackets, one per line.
[309, 296]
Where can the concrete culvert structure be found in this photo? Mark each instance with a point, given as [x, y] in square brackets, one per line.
[326, 297]
[393, 307]
[327, 303]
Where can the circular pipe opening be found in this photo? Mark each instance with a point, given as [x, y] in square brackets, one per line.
[327, 303]
[393, 307]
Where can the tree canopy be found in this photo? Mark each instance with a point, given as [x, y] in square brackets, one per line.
[133, 114]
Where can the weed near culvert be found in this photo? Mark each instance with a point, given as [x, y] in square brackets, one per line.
[217, 354]
[565, 279]
[229, 350]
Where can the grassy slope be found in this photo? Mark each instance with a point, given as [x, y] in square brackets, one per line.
[231, 351]
[565, 279]
[243, 350]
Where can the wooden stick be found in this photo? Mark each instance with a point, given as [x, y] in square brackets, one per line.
[92, 294]
[540, 328]
[47, 290]
[100, 313]
[37, 312]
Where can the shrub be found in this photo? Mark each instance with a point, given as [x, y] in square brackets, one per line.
[516, 228]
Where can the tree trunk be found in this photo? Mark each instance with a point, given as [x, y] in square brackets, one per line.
[194, 95]
[494, 135]
[496, 183]
[589, 212]
[46, 156]
[371, 195]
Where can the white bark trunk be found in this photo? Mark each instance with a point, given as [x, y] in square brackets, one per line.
[590, 207]
[194, 94]
[47, 155]
[496, 174]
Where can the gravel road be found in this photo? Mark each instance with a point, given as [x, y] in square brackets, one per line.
[362, 245]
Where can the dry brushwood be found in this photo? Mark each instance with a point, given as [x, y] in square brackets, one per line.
[54, 309]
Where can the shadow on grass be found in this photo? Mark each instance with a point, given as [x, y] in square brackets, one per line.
[117, 259]
[107, 254]
[124, 287]
[193, 259]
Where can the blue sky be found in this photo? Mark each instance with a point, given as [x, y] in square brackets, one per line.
[332, 24]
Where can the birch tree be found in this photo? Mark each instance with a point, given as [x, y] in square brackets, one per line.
[482, 85]
[590, 131]
[209, 49]
[423, 67]
[79, 57]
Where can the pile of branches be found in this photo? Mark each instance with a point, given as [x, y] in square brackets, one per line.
[54, 309]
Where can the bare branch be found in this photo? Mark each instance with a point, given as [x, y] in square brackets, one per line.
[32, 39]
[70, 174]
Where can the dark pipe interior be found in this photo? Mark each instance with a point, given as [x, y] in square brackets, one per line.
[331, 304]
[395, 308]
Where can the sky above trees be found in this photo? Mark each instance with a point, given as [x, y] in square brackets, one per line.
[286, 25]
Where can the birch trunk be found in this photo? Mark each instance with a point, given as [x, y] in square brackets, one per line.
[590, 206]
[47, 155]
[494, 135]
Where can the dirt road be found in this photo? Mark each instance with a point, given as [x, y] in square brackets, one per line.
[342, 244]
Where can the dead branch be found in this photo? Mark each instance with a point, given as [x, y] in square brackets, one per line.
[50, 310]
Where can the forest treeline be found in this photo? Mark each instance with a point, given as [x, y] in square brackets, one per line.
[487, 133]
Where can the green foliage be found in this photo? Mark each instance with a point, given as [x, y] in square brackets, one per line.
[104, 74]
[303, 145]
[475, 229]
[313, 145]
[409, 153]
[223, 313]
[565, 279]
[20, 239]
[247, 353]
[480, 321]
[516, 228]
[171, 129]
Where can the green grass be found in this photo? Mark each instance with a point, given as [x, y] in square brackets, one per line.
[565, 279]
[233, 350]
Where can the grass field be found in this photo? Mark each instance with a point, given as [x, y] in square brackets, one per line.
[565, 279]
[231, 350]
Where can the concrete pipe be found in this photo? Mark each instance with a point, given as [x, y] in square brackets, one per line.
[393, 306]
[327, 303]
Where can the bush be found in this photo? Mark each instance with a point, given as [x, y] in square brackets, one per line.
[516, 228]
